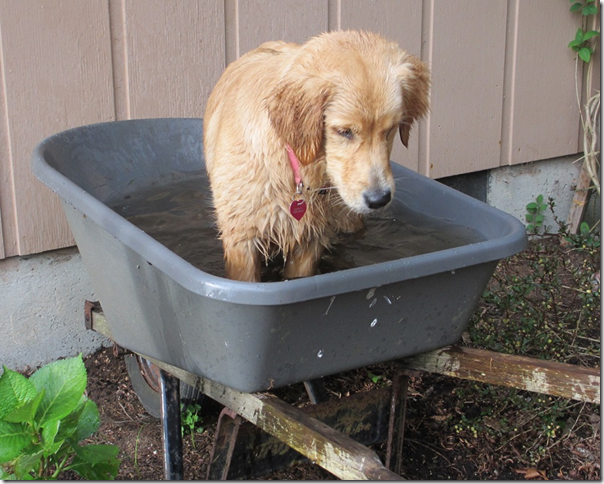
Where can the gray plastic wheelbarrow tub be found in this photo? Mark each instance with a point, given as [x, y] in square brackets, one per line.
[255, 336]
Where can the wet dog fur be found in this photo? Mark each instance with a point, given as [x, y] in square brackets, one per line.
[338, 101]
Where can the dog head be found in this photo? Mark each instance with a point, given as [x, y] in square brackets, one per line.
[342, 99]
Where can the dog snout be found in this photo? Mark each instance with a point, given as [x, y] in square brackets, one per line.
[377, 198]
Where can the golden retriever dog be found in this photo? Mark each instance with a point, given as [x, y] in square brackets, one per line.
[297, 142]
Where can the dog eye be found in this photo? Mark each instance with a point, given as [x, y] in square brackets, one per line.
[345, 132]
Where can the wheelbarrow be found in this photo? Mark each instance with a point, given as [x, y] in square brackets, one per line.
[251, 337]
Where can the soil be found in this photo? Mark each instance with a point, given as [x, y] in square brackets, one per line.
[455, 429]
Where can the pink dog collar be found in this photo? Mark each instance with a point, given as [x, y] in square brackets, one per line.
[293, 159]
[297, 208]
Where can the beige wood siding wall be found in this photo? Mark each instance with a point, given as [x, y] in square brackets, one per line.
[503, 79]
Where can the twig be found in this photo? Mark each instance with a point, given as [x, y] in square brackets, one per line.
[127, 415]
[429, 448]
[582, 337]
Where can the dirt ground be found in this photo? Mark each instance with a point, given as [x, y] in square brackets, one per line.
[455, 429]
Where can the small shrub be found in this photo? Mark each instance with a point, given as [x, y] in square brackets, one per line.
[535, 215]
[44, 418]
[190, 420]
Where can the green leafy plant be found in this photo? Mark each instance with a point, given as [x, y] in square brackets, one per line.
[581, 43]
[535, 215]
[190, 420]
[43, 418]
[375, 378]
[587, 238]
[584, 45]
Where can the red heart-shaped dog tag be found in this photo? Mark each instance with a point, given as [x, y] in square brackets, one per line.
[297, 208]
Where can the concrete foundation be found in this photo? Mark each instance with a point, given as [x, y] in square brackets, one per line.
[511, 188]
[42, 300]
[42, 296]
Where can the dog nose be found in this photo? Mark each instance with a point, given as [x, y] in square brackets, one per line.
[377, 198]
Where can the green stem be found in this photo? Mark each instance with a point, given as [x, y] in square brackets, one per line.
[136, 451]
[60, 467]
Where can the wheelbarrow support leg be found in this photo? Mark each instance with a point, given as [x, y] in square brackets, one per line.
[225, 438]
[396, 427]
[171, 431]
[316, 391]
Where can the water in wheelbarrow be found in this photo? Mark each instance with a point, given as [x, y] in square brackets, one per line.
[179, 215]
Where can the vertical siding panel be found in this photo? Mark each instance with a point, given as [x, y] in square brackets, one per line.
[231, 23]
[507, 109]
[7, 195]
[400, 21]
[57, 74]
[544, 119]
[290, 20]
[175, 53]
[119, 59]
[334, 21]
[468, 52]
[2, 252]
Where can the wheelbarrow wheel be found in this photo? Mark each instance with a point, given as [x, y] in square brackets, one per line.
[145, 381]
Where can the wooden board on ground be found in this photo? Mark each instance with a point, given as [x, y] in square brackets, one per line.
[541, 376]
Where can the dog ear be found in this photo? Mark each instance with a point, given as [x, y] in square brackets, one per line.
[414, 77]
[295, 108]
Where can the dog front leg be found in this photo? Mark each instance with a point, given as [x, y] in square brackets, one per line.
[303, 261]
[242, 261]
